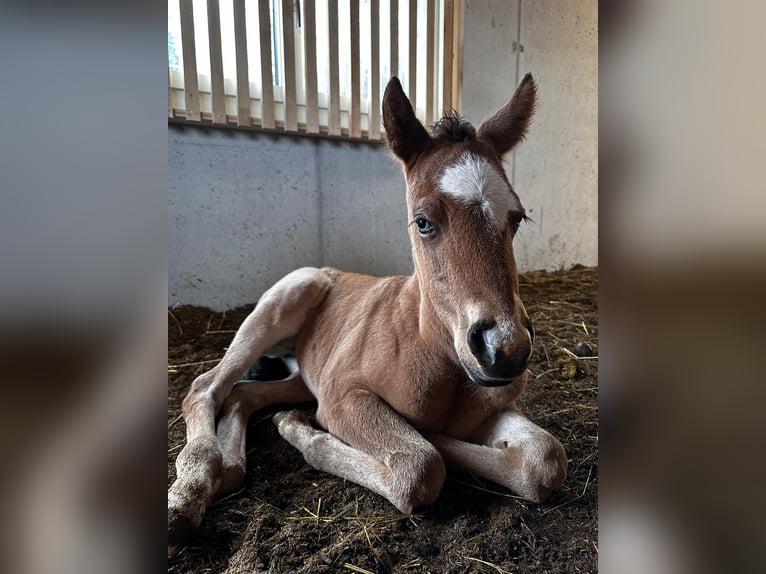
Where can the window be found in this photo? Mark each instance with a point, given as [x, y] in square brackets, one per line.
[327, 62]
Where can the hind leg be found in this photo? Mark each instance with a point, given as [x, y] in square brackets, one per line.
[246, 398]
[279, 315]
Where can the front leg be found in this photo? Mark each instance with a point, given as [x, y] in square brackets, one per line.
[370, 444]
[513, 452]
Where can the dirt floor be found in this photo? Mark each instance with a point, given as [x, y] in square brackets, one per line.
[292, 518]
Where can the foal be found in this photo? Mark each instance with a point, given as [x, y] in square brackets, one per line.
[409, 373]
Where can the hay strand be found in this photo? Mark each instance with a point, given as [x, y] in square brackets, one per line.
[353, 568]
[495, 566]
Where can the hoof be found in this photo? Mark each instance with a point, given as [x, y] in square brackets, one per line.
[285, 417]
[279, 417]
[180, 529]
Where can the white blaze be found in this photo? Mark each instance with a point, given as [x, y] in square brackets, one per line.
[475, 181]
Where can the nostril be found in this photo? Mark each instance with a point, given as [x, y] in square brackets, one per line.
[477, 342]
[531, 330]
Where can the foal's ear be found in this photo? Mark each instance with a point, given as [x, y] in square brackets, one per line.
[509, 124]
[406, 135]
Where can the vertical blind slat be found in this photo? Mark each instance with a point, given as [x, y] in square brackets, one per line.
[430, 11]
[267, 81]
[457, 54]
[240, 48]
[216, 62]
[334, 123]
[394, 37]
[447, 63]
[170, 96]
[373, 129]
[413, 55]
[191, 86]
[310, 42]
[355, 125]
[288, 35]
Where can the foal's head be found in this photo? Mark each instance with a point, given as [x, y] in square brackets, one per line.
[463, 215]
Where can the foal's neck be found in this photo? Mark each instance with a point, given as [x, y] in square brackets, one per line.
[435, 336]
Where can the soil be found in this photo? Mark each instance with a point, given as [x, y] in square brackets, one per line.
[290, 517]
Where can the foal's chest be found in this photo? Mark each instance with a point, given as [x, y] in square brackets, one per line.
[452, 405]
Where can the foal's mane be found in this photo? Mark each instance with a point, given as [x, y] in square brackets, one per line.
[452, 127]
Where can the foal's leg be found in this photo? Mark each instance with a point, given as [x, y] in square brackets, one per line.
[369, 444]
[246, 398]
[279, 315]
[513, 452]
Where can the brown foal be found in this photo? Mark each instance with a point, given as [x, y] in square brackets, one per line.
[409, 373]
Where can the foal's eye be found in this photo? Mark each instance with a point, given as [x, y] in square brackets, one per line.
[424, 226]
[516, 222]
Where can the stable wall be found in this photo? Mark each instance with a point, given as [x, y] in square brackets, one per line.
[245, 208]
[555, 171]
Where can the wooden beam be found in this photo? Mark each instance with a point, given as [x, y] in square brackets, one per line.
[334, 116]
[244, 116]
[170, 97]
[447, 42]
[191, 86]
[373, 127]
[310, 43]
[216, 62]
[355, 125]
[267, 80]
[457, 51]
[394, 38]
[430, 25]
[288, 35]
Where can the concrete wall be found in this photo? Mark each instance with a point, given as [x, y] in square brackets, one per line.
[245, 208]
[556, 168]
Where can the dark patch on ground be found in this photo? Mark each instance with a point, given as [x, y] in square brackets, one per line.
[292, 518]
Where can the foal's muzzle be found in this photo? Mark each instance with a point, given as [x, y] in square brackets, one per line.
[502, 352]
